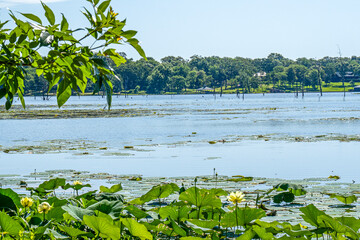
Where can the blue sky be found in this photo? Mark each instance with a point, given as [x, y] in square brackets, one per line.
[246, 28]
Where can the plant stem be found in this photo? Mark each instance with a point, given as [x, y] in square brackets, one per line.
[236, 216]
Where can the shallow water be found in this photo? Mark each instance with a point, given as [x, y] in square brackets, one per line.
[164, 144]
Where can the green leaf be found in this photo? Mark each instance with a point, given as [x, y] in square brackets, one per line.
[135, 43]
[63, 92]
[129, 34]
[219, 192]
[178, 213]
[113, 189]
[159, 191]
[53, 184]
[56, 202]
[344, 198]
[13, 36]
[9, 225]
[244, 216]
[334, 224]
[76, 186]
[118, 60]
[21, 38]
[9, 101]
[200, 198]
[109, 91]
[64, 24]
[351, 222]
[210, 224]
[9, 200]
[311, 214]
[32, 17]
[136, 229]
[248, 235]
[21, 99]
[103, 6]
[54, 234]
[261, 232]
[284, 197]
[103, 226]
[177, 228]
[112, 208]
[2, 93]
[77, 212]
[49, 14]
[56, 213]
[136, 212]
[39, 71]
[75, 233]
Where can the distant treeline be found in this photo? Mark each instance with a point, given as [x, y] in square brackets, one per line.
[176, 74]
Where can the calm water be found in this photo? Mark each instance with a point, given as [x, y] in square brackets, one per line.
[165, 146]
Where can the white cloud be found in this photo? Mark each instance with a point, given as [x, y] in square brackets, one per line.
[9, 3]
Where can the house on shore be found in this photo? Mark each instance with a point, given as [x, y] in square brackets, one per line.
[260, 74]
[349, 76]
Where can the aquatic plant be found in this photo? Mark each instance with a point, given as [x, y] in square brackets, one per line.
[178, 213]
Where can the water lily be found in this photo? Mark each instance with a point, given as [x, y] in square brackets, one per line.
[26, 202]
[44, 207]
[77, 182]
[236, 197]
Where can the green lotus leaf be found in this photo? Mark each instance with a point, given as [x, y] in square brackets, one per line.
[210, 224]
[113, 189]
[178, 213]
[284, 197]
[244, 216]
[77, 212]
[53, 184]
[159, 191]
[112, 208]
[136, 212]
[102, 226]
[200, 198]
[136, 229]
[346, 199]
[311, 215]
[9, 200]
[9, 225]
[74, 232]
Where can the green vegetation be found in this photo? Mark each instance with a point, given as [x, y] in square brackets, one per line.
[164, 212]
[72, 67]
[175, 75]
[69, 64]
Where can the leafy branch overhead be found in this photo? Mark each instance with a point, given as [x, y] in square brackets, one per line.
[70, 63]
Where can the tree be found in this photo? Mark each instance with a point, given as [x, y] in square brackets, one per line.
[159, 79]
[68, 64]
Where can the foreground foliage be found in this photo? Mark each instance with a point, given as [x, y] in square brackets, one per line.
[164, 212]
[69, 63]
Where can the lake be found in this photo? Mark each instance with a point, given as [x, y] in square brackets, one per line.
[271, 135]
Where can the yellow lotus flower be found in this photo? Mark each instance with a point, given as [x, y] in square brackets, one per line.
[236, 197]
[302, 226]
[26, 202]
[44, 207]
[77, 182]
